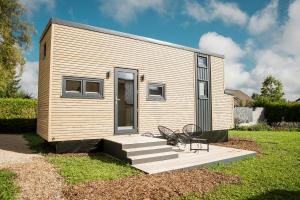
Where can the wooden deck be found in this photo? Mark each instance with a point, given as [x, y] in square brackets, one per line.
[152, 155]
[191, 159]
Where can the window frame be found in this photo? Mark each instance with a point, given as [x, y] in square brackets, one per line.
[44, 51]
[205, 96]
[156, 97]
[202, 66]
[93, 94]
[82, 94]
[73, 92]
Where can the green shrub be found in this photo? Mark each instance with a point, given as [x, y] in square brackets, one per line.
[282, 111]
[283, 126]
[257, 127]
[17, 115]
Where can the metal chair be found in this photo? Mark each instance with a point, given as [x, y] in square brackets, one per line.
[169, 135]
[193, 134]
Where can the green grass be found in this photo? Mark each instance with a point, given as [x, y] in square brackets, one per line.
[35, 142]
[77, 169]
[8, 189]
[82, 168]
[274, 175]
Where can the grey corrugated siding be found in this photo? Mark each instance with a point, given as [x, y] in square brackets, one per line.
[205, 114]
[204, 104]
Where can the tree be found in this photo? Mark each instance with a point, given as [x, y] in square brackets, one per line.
[254, 95]
[15, 39]
[12, 87]
[272, 89]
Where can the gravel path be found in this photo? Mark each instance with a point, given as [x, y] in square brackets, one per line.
[36, 178]
[13, 150]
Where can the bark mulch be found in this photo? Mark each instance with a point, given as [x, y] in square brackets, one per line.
[241, 143]
[158, 186]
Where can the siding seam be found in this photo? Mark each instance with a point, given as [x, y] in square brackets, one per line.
[50, 83]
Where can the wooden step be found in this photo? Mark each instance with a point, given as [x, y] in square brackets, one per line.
[147, 150]
[152, 157]
[144, 144]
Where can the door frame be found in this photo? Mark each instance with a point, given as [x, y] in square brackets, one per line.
[135, 101]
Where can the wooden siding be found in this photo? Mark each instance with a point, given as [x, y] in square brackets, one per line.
[222, 104]
[43, 86]
[85, 53]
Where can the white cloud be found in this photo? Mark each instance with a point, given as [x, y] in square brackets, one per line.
[29, 79]
[285, 68]
[197, 11]
[235, 74]
[35, 5]
[211, 10]
[264, 19]
[280, 57]
[125, 11]
[290, 41]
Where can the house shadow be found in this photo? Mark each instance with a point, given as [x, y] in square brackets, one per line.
[26, 143]
[278, 195]
[14, 143]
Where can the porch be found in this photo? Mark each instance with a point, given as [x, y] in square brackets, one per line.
[153, 155]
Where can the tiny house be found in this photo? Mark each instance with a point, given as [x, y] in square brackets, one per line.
[95, 83]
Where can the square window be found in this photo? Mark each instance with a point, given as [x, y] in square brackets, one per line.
[202, 61]
[85, 88]
[156, 91]
[92, 86]
[73, 86]
[203, 89]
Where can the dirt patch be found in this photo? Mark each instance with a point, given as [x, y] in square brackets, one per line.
[241, 143]
[38, 180]
[157, 186]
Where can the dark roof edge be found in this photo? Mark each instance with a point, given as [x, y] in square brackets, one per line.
[127, 35]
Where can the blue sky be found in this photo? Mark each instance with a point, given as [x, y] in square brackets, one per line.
[249, 33]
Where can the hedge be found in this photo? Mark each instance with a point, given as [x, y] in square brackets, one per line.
[283, 126]
[17, 115]
[282, 111]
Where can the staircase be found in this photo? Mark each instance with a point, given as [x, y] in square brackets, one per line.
[137, 149]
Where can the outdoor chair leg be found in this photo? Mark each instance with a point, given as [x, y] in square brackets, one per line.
[207, 147]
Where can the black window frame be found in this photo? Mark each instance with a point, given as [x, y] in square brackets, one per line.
[156, 97]
[205, 96]
[83, 94]
[206, 61]
[44, 51]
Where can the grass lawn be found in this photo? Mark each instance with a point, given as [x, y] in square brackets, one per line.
[35, 142]
[82, 168]
[8, 189]
[273, 175]
[77, 169]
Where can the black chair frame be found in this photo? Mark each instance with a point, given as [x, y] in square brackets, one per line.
[193, 134]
